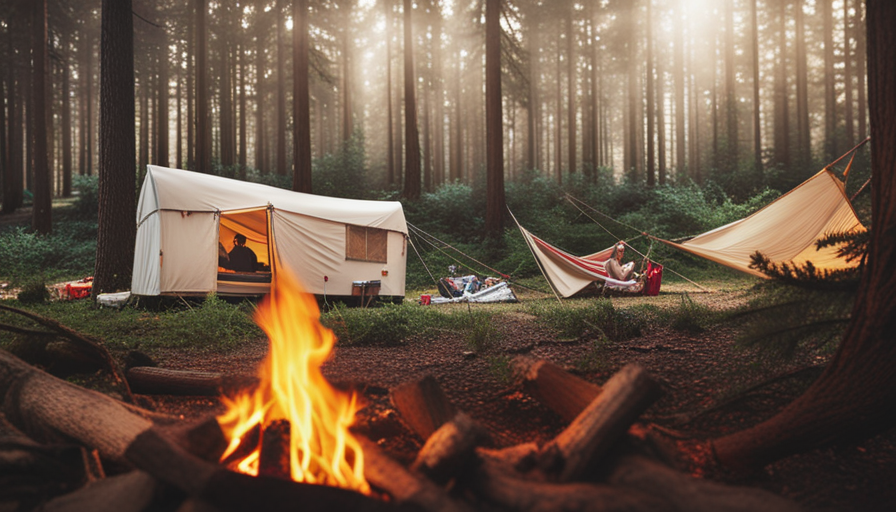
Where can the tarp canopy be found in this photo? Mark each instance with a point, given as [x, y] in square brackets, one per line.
[184, 217]
[785, 230]
[568, 274]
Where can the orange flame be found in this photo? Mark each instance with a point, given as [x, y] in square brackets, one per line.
[322, 450]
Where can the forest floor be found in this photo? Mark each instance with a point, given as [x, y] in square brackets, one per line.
[710, 389]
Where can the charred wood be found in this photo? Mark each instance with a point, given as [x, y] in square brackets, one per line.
[382, 472]
[423, 405]
[273, 460]
[449, 449]
[561, 391]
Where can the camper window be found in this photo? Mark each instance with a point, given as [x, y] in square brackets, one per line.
[365, 244]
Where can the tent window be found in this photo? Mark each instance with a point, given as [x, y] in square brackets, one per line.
[365, 244]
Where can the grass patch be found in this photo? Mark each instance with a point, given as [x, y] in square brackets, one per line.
[211, 323]
[574, 321]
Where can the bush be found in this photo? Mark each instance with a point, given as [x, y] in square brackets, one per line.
[387, 325]
[87, 204]
[344, 173]
[34, 291]
[67, 252]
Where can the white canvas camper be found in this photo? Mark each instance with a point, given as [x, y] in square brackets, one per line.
[336, 247]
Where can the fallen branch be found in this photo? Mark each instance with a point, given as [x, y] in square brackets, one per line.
[561, 391]
[423, 405]
[150, 380]
[84, 343]
[449, 449]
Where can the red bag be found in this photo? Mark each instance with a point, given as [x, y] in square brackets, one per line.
[654, 278]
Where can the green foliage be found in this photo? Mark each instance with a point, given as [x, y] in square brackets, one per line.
[67, 252]
[851, 246]
[87, 204]
[34, 291]
[501, 368]
[343, 173]
[689, 316]
[390, 324]
[479, 332]
[784, 319]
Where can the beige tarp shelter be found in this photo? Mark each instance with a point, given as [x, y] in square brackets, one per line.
[785, 230]
[334, 246]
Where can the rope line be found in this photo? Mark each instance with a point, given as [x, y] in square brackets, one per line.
[434, 280]
[502, 274]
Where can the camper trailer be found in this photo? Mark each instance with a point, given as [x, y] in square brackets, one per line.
[335, 247]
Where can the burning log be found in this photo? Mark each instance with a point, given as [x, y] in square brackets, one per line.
[150, 380]
[274, 457]
[50, 408]
[423, 405]
[563, 392]
[624, 397]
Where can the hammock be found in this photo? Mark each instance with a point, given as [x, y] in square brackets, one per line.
[568, 274]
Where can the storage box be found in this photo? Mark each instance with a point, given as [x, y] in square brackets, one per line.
[366, 288]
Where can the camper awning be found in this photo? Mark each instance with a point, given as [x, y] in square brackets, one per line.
[177, 190]
[785, 230]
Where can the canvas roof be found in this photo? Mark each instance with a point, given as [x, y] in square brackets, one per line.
[179, 190]
[785, 230]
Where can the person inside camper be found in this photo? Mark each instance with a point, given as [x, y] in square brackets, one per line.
[242, 258]
[615, 268]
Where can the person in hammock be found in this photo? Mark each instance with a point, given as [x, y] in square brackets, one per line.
[614, 267]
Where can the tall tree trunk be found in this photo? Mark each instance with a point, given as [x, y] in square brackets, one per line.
[88, 97]
[651, 99]
[715, 104]
[558, 123]
[66, 124]
[595, 91]
[694, 163]
[412, 141]
[42, 213]
[804, 137]
[116, 229]
[438, 100]
[179, 137]
[457, 162]
[495, 200]
[680, 108]
[162, 146]
[661, 119]
[301, 179]
[260, 31]
[348, 126]
[860, 70]
[847, 78]
[730, 93]
[632, 167]
[12, 173]
[830, 93]
[757, 133]
[390, 136]
[243, 158]
[143, 151]
[427, 141]
[203, 121]
[191, 101]
[225, 111]
[570, 91]
[281, 90]
[782, 114]
[855, 397]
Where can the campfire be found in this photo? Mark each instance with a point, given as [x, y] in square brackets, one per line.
[285, 442]
[294, 405]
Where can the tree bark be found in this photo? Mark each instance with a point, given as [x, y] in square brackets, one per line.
[680, 109]
[243, 143]
[855, 397]
[830, 93]
[570, 91]
[730, 92]
[203, 121]
[116, 229]
[782, 114]
[260, 31]
[847, 78]
[495, 200]
[651, 99]
[804, 137]
[391, 180]
[162, 146]
[301, 181]
[12, 181]
[412, 139]
[757, 129]
[42, 213]
[66, 117]
[860, 71]
[281, 89]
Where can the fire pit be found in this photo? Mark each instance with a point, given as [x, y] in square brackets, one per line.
[286, 442]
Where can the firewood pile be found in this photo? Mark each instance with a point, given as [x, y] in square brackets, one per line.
[67, 448]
